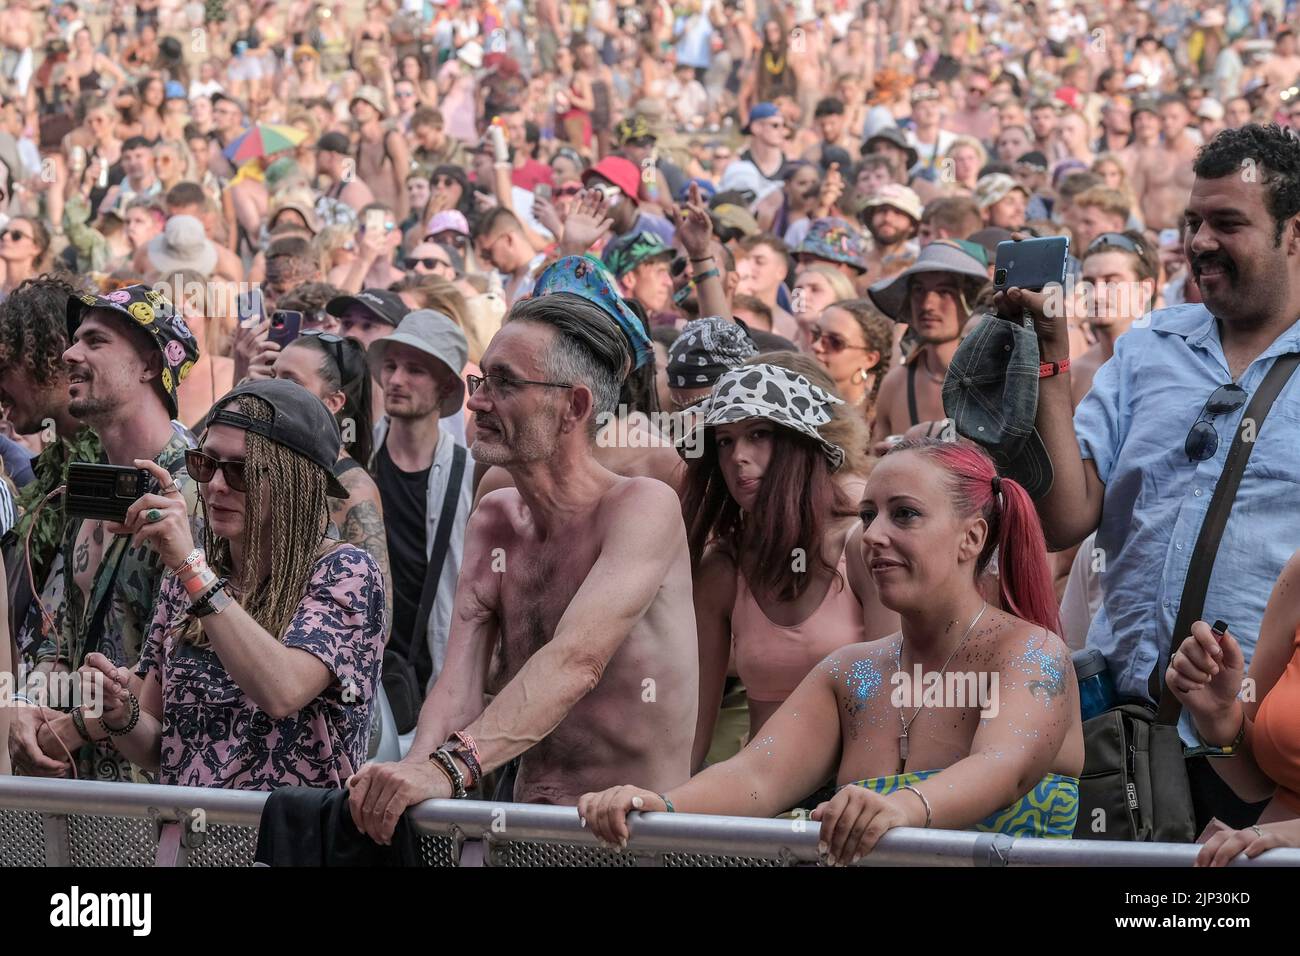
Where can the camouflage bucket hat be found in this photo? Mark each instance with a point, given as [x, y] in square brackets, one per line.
[627, 252]
[151, 311]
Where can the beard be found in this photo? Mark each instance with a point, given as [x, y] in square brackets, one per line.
[885, 234]
[536, 440]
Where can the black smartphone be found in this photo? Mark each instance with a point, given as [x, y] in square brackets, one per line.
[286, 325]
[1031, 264]
[104, 492]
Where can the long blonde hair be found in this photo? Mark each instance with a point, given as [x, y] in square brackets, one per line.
[299, 516]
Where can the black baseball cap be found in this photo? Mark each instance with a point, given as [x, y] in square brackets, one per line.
[299, 421]
[384, 305]
[334, 143]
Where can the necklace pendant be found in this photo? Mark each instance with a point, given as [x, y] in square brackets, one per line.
[902, 751]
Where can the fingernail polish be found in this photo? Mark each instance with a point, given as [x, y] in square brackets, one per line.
[830, 860]
[821, 848]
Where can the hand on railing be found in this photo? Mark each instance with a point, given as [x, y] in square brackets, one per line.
[854, 820]
[379, 793]
[605, 813]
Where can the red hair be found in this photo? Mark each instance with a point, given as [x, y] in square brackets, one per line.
[1024, 579]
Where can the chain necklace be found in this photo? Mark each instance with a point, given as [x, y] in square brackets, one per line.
[907, 724]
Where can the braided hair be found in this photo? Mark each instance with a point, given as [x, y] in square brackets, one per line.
[297, 520]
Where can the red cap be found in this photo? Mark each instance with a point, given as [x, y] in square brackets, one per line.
[504, 64]
[1068, 95]
[623, 173]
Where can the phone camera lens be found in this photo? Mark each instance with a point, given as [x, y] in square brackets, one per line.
[1000, 277]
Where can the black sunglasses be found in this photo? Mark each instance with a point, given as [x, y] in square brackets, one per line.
[337, 344]
[202, 467]
[411, 262]
[1116, 240]
[1203, 440]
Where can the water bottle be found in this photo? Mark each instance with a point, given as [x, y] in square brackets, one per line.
[1096, 687]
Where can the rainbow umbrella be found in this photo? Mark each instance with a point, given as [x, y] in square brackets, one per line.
[264, 139]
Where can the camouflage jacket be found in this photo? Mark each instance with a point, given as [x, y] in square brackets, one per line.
[51, 470]
[129, 580]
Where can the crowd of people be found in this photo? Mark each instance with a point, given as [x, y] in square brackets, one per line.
[572, 384]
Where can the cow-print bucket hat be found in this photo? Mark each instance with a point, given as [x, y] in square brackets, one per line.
[777, 394]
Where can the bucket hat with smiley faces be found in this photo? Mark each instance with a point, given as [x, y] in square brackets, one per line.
[151, 311]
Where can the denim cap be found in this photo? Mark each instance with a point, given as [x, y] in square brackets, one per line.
[991, 394]
[777, 394]
[588, 279]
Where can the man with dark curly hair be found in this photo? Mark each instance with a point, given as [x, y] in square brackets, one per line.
[1141, 458]
[34, 393]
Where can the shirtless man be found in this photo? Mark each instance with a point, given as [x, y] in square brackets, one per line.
[1161, 166]
[580, 578]
[1282, 68]
[934, 297]
[16, 44]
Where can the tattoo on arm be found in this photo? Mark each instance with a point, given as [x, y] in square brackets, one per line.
[363, 526]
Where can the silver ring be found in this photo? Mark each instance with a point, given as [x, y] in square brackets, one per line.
[170, 488]
[1258, 831]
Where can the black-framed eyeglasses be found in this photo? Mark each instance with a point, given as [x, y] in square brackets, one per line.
[1115, 240]
[336, 343]
[1203, 439]
[498, 383]
[202, 467]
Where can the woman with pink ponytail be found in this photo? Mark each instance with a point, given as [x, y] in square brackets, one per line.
[968, 718]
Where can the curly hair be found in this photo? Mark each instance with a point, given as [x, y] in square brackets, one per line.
[878, 333]
[33, 327]
[1271, 148]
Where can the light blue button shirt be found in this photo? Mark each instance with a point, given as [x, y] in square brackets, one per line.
[1133, 425]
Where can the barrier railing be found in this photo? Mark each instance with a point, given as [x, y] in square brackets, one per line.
[88, 823]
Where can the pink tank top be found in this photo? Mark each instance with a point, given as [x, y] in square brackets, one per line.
[772, 658]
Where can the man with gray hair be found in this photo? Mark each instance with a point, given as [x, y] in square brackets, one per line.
[574, 607]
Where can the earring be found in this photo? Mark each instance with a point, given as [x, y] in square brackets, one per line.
[858, 377]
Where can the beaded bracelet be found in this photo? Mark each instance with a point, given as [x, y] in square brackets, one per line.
[198, 604]
[130, 724]
[467, 751]
[79, 722]
[448, 765]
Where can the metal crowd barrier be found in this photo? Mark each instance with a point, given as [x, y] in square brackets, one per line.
[90, 823]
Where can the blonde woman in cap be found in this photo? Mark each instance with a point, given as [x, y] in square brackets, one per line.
[263, 656]
[383, 155]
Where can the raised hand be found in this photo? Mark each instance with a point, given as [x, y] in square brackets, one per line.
[695, 228]
[586, 224]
